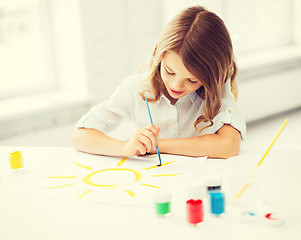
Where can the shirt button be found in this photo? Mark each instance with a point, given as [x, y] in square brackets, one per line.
[230, 111]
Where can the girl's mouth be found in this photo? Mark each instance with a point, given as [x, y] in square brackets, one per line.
[175, 92]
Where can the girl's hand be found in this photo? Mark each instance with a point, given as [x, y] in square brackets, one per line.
[142, 142]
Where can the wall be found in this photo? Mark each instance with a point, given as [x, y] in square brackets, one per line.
[119, 36]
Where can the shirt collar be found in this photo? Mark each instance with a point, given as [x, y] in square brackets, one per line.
[192, 97]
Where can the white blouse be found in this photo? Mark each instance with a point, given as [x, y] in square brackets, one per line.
[175, 121]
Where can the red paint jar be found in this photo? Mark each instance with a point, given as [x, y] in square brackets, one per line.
[194, 211]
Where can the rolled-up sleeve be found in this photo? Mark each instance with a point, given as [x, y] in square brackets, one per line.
[107, 115]
[228, 114]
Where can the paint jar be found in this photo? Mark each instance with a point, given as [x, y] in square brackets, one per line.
[194, 204]
[16, 160]
[217, 203]
[162, 199]
[194, 211]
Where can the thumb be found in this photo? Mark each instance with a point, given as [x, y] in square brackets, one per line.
[158, 128]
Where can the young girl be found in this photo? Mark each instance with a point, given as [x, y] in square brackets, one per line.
[190, 85]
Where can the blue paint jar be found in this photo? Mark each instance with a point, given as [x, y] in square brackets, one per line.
[217, 202]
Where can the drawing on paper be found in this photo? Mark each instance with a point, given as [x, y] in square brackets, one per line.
[130, 177]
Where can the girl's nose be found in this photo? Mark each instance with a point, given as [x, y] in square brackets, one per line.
[177, 84]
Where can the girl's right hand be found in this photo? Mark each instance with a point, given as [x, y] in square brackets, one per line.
[142, 142]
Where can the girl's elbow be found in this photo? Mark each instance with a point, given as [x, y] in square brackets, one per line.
[230, 148]
[231, 153]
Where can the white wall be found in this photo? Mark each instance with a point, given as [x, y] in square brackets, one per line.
[119, 36]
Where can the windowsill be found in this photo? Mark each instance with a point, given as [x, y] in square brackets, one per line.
[269, 83]
[38, 103]
[25, 114]
[267, 62]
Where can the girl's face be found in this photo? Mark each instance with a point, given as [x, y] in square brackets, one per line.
[177, 80]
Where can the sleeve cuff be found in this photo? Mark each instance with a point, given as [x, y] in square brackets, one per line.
[227, 117]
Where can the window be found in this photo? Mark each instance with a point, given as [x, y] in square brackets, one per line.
[42, 65]
[24, 48]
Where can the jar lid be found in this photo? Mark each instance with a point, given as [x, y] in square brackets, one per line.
[162, 196]
[273, 219]
[249, 216]
[214, 180]
[194, 191]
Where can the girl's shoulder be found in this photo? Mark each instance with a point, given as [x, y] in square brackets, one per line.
[134, 79]
[136, 82]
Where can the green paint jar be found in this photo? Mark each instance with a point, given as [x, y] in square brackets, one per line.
[162, 208]
[162, 204]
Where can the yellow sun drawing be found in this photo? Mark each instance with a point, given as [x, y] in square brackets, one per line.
[136, 177]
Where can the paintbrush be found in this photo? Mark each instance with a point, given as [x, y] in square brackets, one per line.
[151, 120]
[251, 178]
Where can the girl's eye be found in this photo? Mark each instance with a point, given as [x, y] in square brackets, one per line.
[169, 73]
[192, 81]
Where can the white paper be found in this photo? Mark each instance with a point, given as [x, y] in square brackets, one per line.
[64, 173]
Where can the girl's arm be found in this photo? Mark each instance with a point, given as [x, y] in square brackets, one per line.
[224, 144]
[96, 142]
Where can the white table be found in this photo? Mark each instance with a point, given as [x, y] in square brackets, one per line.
[35, 218]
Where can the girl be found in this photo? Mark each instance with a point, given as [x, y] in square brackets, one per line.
[190, 84]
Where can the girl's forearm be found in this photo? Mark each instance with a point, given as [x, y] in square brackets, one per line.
[96, 142]
[211, 145]
[224, 144]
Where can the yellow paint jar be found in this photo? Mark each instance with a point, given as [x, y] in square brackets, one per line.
[16, 160]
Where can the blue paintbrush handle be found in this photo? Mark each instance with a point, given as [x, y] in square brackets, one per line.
[151, 120]
[149, 113]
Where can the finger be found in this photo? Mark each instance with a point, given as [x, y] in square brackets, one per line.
[145, 140]
[141, 149]
[151, 136]
[140, 142]
[153, 129]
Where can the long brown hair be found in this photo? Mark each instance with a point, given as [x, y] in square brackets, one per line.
[203, 42]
